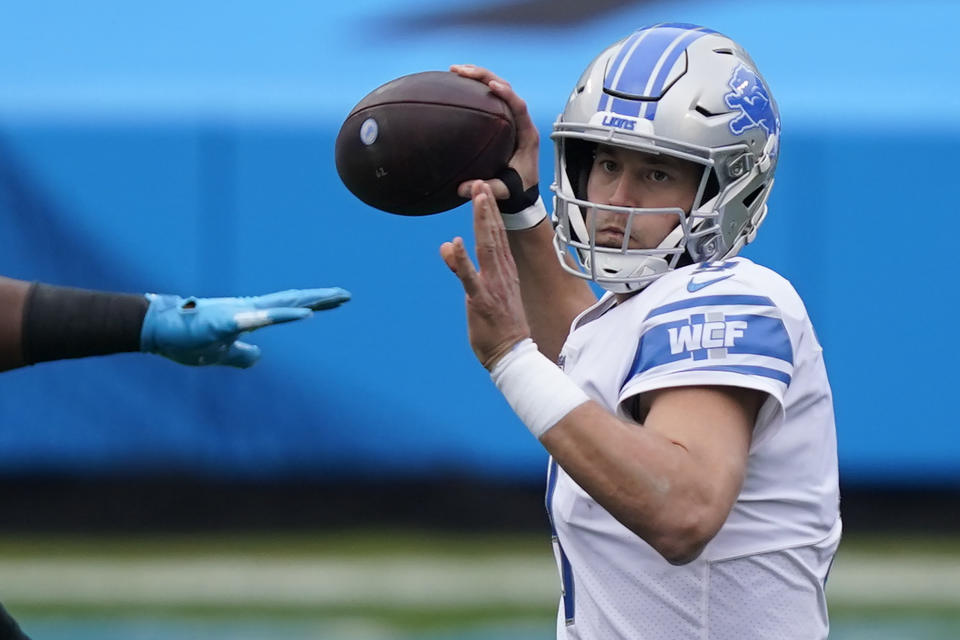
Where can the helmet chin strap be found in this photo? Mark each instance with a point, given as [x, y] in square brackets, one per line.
[646, 268]
[636, 271]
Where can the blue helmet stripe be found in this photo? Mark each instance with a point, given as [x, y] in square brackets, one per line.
[611, 72]
[671, 59]
[686, 26]
[626, 107]
[648, 51]
[646, 46]
[633, 74]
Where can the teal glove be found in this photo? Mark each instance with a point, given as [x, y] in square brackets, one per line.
[199, 331]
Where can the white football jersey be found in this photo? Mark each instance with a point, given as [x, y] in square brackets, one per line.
[762, 576]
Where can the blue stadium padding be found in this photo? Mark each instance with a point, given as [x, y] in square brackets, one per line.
[186, 156]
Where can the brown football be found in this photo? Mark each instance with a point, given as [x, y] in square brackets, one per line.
[407, 146]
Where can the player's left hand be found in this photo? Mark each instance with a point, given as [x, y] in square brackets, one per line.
[201, 331]
[495, 317]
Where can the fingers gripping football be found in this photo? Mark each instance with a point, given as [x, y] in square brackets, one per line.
[495, 316]
[526, 157]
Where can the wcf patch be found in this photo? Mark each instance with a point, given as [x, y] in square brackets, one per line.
[706, 336]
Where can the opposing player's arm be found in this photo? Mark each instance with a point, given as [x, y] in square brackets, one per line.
[671, 480]
[40, 323]
[552, 298]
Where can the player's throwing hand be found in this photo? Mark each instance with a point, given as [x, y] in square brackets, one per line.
[495, 315]
[525, 160]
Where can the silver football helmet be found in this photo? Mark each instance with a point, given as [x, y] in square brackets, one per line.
[679, 90]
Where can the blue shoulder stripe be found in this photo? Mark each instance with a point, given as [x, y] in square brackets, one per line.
[747, 369]
[712, 337]
[764, 336]
[711, 301]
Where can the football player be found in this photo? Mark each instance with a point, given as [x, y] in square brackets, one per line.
[41, 322]
[692, 487]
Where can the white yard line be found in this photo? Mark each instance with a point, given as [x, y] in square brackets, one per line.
[868, 579]
[403, 581]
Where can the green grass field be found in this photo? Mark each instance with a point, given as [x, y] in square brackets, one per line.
[395, 584]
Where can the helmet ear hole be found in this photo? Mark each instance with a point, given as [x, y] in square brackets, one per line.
[579, 159]
[712, 187]
[751, 197]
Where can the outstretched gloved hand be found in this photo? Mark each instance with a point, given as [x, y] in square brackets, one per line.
[201, 331]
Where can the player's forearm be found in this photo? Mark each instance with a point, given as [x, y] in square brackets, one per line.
[652, 485]
[552, 298]
[40, 322]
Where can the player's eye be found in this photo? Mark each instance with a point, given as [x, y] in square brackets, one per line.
[607, 165]
[656, 175]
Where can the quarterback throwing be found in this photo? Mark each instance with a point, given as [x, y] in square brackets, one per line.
[692, 486]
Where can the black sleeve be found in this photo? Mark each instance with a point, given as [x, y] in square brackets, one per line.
[61, 322]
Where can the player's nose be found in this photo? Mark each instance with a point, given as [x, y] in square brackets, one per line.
[626, 193]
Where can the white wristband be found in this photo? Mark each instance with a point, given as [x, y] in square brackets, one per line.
[525, 219]
[538, 391]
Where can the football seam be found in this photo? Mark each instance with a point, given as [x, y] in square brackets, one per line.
[435, 104]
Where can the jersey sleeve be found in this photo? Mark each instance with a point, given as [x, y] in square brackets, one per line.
[730, 334]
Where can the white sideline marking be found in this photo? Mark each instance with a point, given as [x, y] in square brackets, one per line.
[407, 581]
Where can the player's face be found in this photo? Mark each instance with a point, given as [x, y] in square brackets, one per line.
[629, 178]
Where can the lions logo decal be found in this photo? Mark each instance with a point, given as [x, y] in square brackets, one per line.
[750, 97]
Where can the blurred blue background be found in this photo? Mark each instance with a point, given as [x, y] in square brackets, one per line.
[185, 147]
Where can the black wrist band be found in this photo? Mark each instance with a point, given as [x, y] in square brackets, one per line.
[519, 199]
[62, 322]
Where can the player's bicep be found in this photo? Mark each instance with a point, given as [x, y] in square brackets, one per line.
[714, 424]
